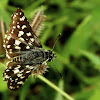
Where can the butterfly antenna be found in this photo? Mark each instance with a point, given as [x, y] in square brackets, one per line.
[57, 70]
[56, 41]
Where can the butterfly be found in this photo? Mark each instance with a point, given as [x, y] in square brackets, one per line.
[24, 51]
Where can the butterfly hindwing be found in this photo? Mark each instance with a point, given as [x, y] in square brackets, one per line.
[16, 74]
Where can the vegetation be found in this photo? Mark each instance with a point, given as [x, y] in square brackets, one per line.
[78, 50]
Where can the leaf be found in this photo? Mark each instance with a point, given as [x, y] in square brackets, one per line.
[3, 84]
[61, 86]
[4, 15]
[96, 94]
[79, 38]
[3, 4]
[92, 57]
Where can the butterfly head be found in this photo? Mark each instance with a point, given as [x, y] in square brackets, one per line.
[51, 56]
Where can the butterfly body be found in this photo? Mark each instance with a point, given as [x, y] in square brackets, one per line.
[25, 52]
[34, 56]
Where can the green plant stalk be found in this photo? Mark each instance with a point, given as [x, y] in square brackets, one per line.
[55, 87]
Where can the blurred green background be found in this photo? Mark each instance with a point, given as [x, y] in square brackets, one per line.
[78, 49]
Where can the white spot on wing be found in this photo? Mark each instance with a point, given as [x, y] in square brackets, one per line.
[3, 45]
[24, 26]
[28, 34]
[6, 41]
[7, 56]
[10, 83]
[16, 13]
[7, 77]
[16, 71]
[7, 63]
[14, 27]
[20, 13]
[27, 71]
[16, 79]
[27, 66]
[22, 19]
[8, 37]
[17, 47]
[10, 67]
[18, 67]
[19, 75]
[17, 86]
[31, 67]
[20, 33]
[17, 42]
[32, 39]
[18, 26]
[12, 80]
[21, 71]
[27, 47]
[21, 82]
[12, 31]
[14, 16]
[17, 22]
[22, 77]
[10, 50]
[5, 35]
[11, 87]
[21, 39]
[13, 22]
[30, 43]
[8, 46]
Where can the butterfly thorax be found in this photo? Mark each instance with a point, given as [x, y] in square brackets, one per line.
[34, 56]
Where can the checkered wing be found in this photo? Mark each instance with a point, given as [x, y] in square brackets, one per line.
[16, 74]
[19, 38]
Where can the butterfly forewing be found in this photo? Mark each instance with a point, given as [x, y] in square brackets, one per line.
[20, 36]
[21, 29]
